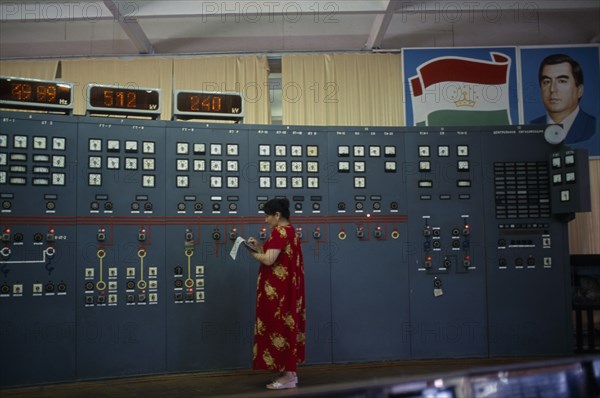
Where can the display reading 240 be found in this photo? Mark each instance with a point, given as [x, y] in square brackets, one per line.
[209, 104]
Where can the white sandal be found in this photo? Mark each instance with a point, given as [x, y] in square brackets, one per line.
[277, 385]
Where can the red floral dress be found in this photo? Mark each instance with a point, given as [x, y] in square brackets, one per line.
[280, 327]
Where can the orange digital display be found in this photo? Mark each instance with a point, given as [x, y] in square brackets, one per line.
[38, 93]
[211, 105]
[131, 99]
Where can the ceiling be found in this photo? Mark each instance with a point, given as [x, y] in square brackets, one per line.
[42, 29]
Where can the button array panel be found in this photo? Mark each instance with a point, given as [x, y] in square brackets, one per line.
[39, 160]
[570, 185]
[522, 190]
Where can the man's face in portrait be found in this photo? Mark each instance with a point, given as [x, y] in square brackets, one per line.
[559, 91]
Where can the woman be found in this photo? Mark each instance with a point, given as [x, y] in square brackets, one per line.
[279, 331]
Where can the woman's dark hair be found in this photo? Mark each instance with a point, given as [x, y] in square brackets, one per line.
[278, 205]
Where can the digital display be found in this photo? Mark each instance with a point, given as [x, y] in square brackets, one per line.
[32, 93]
[123, 100]
[211, 105]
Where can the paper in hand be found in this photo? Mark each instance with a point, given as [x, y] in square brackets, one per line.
[236, 246]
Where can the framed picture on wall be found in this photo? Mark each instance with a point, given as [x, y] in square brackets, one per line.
[562, 85]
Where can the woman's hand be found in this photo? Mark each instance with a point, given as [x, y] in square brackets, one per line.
[252, 241]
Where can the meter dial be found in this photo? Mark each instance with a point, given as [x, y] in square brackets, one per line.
[39, 142]
[20, 141]
[216, 165]
[131, 163]
[312, 167]
[94, 179]
[182, 182]
[182, 148]
[58, 179]
[312, 151]
[216, 182]
[281, 182]
[95, 162]
[182, 164]
[148, 181]
[232, 165]
[148, 163]
[232, 149]
[216, 149]
[264, 182]
[343, 151]
[94, 145]
[281, 167]
[148, 147]
[131, 146]
[59, 143]
[112, 163]
[264, 150]
[113, 146]
[233, 182]
[58, 161]
[199, 165]
[264, 166]
[280, 150]
[199, 149]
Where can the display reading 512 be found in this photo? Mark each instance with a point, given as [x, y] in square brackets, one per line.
[113, 99]
[23, 93]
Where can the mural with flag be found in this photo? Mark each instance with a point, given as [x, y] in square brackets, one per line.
[460, 87]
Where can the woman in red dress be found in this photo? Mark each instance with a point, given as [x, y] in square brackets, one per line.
[280, 327]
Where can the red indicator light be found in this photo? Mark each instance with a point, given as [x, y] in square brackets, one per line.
[378, 228]
[467, 258]
[428, 258]
[7, 230]
[51, 230]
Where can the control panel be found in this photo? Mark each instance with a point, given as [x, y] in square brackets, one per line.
[446, 262]
[418, 242]
[38, 289]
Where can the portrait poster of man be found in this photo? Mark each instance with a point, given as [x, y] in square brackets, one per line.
[460, 86]
[561, 85]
